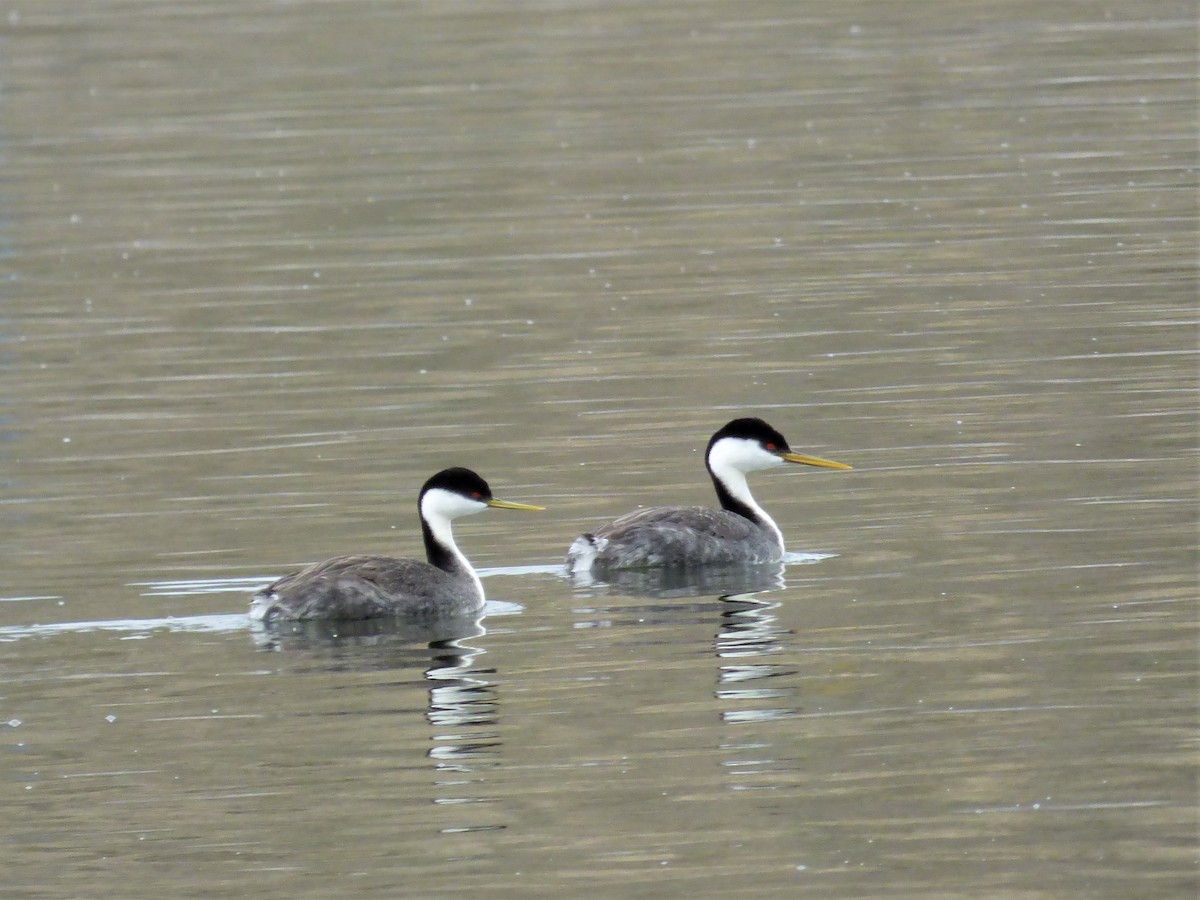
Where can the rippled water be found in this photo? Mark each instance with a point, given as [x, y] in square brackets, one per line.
[268, 266]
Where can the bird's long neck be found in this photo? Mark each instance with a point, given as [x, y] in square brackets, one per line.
[443, 553]
[734, 493]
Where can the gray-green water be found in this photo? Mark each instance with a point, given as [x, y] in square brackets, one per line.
[267, 266]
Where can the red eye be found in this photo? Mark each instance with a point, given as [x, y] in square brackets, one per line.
[772, 447]
[475, 495]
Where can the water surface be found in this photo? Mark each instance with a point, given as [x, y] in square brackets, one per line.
[268, 266]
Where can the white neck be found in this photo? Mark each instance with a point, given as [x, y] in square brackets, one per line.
[729, 461]
[438, 509]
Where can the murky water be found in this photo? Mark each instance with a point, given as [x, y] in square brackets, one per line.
[268, 266]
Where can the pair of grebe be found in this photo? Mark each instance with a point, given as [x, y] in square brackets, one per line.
[681, 537]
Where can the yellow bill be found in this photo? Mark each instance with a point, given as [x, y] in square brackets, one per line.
[791, 457]
[508, 504]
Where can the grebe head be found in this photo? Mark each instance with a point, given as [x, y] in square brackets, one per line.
[748, 445]
[459, 492]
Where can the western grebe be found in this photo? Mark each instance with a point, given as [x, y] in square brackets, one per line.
[371, 587]
[739, 533]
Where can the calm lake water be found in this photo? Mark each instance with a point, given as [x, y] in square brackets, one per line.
[267, 266]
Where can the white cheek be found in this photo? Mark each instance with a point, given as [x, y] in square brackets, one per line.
[440, 504]
[768, 460]
[742, 455]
